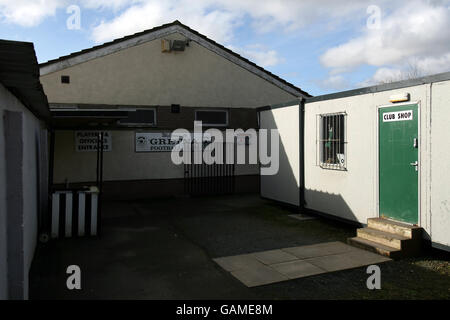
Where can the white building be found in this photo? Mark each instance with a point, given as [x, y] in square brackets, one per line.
[367, 153]
[24, 117]
[144, 86]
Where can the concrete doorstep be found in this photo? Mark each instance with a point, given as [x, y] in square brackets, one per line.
[266, 267]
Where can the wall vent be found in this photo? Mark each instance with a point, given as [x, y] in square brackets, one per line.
[65, 79]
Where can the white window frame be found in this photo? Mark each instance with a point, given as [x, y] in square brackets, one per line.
[321, 140]
[213, 124]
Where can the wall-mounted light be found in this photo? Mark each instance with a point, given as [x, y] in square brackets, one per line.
[402, 97]
[168, 45]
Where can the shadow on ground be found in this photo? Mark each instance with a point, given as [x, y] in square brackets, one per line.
[163, 249]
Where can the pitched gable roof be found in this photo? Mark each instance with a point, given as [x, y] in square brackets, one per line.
[158, 32]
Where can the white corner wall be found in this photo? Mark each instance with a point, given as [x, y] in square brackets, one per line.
[30, 138]
[440, 164]
[283, 186]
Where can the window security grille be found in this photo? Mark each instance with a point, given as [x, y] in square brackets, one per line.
[332, 144]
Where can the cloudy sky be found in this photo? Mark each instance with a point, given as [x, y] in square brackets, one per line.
[319, 45]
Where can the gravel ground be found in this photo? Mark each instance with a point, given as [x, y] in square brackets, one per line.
[163, 249]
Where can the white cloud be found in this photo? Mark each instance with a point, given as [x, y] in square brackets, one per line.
[429, 65]
[108, 4]
[413, 68]
[28, 13]
[292, 15]
[384, 75]
[409, 31]
[216, 24]
[219, 18]
[334, 82]
[259, 54]
[414, 34]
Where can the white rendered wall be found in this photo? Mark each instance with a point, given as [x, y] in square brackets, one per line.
[283, 186]
[440, 163]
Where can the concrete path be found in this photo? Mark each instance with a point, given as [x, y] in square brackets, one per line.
[265, 267]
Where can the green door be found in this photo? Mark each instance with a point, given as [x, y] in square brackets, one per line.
[398, 163]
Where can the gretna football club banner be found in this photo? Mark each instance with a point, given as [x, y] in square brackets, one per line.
[160, 141]
[86, 141]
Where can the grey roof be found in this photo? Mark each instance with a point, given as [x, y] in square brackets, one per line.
[19, 73]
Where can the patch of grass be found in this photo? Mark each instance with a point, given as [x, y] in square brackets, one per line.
[435, 264]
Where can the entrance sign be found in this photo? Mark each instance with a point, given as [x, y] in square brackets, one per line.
[398, 116]
[86, 141]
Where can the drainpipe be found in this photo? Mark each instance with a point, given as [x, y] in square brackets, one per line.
[301, 139]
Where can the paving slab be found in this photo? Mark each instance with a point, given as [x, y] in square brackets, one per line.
[258, 276]
[297, 269]
[347, 260]
[243, 261]
[319, 250]
[274, 256]
[277, 265]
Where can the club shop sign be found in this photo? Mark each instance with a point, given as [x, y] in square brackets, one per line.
[86, 141]
[398, 116]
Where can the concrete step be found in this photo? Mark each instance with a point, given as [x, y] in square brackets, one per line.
[375, 247]
[388, 239]
[398, 228]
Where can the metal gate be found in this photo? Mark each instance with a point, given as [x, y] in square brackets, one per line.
[74, 211]
[201, 178]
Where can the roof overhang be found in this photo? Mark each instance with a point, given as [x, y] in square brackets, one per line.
[19, 73]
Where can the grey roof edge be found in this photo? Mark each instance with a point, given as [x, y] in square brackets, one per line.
[21, 77]
[159, 31]
[382, 87]
[445, 76]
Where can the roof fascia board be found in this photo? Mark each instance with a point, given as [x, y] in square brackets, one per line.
[106, 50]
[382, 87]
[115, 47]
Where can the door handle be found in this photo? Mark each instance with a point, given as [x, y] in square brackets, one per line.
[415, 164]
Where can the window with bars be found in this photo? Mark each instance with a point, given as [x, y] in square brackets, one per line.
[332, 141]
